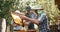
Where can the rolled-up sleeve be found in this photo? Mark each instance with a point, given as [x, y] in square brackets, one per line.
[42, 17]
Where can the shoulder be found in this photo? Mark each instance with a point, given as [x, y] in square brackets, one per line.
[43, 14]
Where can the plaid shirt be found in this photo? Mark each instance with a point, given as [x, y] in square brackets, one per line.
[43, 26]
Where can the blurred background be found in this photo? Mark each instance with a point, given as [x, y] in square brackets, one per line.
[51, 7]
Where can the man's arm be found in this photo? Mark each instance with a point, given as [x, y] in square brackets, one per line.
[36, 21]
[32, 20]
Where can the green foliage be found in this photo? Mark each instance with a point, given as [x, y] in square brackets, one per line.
[51, 9]
[5, 7]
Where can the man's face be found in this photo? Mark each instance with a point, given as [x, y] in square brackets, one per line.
[39, 11]
[28, 11]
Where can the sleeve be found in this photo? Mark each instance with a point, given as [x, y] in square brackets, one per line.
[33, 16]
[42, 17]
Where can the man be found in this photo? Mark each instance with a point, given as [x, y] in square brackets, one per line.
[30, 14]
[41, 21]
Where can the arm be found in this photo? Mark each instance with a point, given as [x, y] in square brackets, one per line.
[26, 23]
[32, 20]
[36, 21]
[28, 19]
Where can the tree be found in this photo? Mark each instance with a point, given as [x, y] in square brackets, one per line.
[6, 6]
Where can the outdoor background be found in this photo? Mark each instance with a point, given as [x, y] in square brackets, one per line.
[11, 5]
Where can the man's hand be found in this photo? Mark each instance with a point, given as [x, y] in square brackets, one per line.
[23, 17]
[26, 23]
[14, 24]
